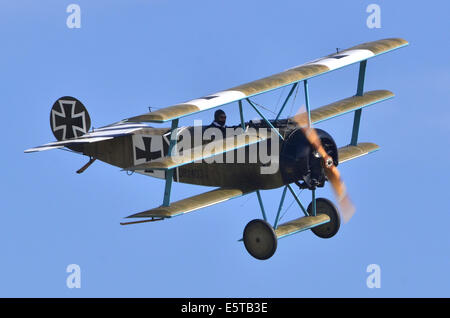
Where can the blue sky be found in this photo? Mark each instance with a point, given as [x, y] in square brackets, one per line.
[129, 55]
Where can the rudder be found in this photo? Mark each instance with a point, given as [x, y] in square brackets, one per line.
[69, 118]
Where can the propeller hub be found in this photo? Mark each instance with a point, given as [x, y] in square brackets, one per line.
[328, 162]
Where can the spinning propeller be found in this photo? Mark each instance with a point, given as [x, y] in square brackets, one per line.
[331, 171]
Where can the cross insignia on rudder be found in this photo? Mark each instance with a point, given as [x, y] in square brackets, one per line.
[72, 125]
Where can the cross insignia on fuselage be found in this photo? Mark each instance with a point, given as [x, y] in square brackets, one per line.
[147, 154]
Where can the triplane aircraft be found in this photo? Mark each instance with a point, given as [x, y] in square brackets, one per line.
[304, 156]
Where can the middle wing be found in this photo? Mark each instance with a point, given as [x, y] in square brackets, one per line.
[202, 152]
[350, 152]
[320, 66]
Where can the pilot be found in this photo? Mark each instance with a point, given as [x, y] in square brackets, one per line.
[219, 121]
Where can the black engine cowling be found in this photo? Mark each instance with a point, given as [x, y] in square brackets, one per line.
[299, 162]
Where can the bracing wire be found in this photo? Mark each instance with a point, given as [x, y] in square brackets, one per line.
[287, 209]
[293, 101]
[279, 98]
[259, 105]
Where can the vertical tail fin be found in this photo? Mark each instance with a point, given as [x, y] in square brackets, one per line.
[69, 118]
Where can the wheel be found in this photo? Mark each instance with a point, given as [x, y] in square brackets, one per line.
[329, 229]
[260, 239]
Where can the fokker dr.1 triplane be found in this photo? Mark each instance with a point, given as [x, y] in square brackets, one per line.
[303, 155]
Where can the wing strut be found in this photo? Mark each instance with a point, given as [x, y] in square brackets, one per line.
[264, 117]
[287, 99]
[261, 205]
[241, 112]
[359, 92]
[169, 172]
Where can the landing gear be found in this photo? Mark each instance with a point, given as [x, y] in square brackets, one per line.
[260, 239]
[327, 207]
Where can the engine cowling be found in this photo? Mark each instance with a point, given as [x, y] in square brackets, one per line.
[299, 162]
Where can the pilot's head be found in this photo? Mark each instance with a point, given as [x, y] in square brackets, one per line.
[220, 117]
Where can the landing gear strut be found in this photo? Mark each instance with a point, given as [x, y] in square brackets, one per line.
[261, 239]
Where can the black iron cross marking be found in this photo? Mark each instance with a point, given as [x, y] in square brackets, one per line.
[147, 154]
[338, 56]
[208, 97]
[68, 121]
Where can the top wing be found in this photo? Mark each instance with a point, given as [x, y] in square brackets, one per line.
[302, 72]
[100, 134]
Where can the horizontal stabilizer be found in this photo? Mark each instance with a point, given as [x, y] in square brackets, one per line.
[301, 224]
[64, 143]
[200, 152]
[100, 134]
[42, 148]
[349, 104]
[191, 204]
[299, 73]
[351, 152]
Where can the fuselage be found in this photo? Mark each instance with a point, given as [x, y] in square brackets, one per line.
[256, 165]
